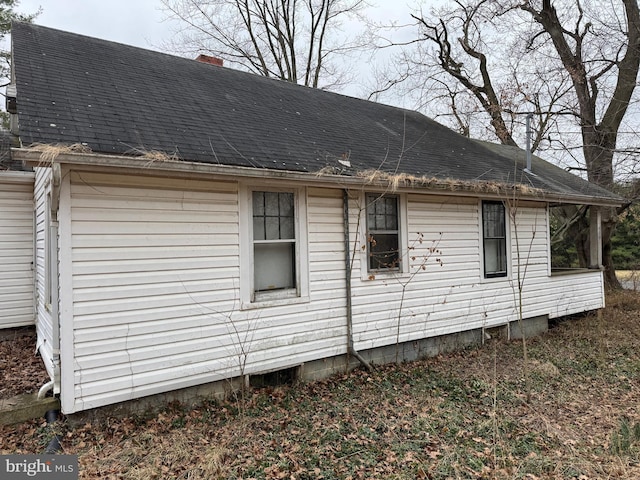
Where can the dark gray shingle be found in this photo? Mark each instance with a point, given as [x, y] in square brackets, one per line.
[118, 99]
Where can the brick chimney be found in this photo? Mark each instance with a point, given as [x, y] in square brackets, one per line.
[209, 59]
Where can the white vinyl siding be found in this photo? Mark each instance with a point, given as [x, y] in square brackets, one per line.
[155, 290]
[16, 249]
[154, 294]
[448, 295]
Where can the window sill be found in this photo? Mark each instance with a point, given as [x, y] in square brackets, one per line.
[494, 279]
[393, 275]
[274, 301]
[558, 272]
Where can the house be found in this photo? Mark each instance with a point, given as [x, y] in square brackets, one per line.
[196, 224]
[16, 240]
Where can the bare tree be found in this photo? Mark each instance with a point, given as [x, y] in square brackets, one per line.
[294, 40]
[574, 64]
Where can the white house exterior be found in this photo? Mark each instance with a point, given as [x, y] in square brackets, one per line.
[16, 249]
[154, 280]
[274, 232]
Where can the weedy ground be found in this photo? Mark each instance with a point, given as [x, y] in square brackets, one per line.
[456, 416]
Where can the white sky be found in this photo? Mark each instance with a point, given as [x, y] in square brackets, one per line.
[134, 22]
[142, 23]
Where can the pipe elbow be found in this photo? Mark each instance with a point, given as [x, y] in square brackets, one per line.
[44, 389]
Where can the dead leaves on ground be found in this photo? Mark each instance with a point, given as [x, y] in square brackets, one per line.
[445, 417]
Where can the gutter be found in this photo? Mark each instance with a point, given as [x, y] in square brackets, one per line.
[33, 157]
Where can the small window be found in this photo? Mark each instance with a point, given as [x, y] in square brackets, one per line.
[274, 242]
[383, 238]
[494, 238]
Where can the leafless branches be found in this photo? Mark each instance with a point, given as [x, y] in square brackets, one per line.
[293, 40]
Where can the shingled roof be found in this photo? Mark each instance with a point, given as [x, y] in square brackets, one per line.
[119, 99]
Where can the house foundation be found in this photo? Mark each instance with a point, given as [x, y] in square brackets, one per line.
[318, 369]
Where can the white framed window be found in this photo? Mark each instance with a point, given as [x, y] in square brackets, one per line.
[274, 241]
[273, 246]
[384, 220]
[383, 233]
[494, 239]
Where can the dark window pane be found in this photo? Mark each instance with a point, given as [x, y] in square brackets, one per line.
[258, 204]
[287, 228]
[383, 251]
[391, 206]
[258, 228]
[272, 228]
[382, 224]
[286, 204]
[271, 204]
[392, 222]
[494, 239]
[273, 215]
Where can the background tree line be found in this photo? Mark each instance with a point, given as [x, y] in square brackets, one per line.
[478, 66]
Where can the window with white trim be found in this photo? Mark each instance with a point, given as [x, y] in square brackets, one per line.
[383, 233]
[494, 239]
[274, 244]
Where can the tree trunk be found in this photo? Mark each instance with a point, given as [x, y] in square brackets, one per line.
[598, 150]
[609, 219]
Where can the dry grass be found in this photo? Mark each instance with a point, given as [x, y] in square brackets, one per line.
[394, 181]
[49, 152]
[154, 156]
[629, 278]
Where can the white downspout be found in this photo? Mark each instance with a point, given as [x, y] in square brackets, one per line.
[52, 251]
[44, 389]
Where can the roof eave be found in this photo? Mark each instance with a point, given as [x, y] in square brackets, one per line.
[33, 158]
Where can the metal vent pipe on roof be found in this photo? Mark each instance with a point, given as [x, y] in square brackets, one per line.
[528, 167]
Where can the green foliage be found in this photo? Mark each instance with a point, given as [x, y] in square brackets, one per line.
[626, 439]
[626, 240]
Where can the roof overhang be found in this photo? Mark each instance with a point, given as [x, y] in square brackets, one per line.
[146, 166]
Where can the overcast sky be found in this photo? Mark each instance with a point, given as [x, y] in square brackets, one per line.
[134, 22]
[141, 23]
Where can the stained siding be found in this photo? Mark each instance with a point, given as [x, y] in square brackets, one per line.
[450, 294]
[16, 249]
[156, 283]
